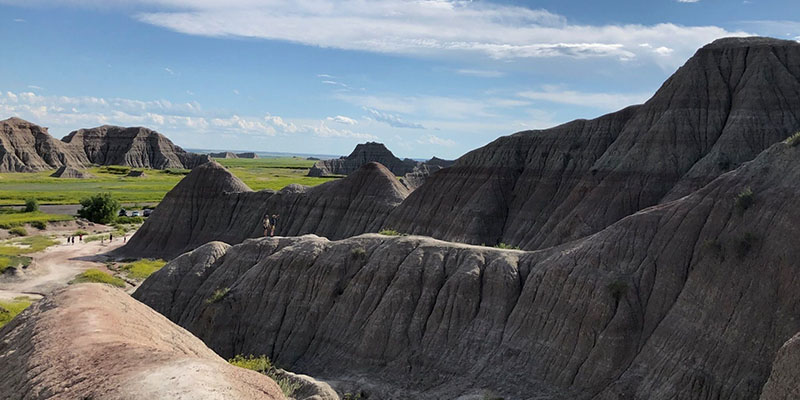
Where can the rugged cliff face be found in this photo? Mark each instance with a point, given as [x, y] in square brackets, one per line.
[363, 153]
[212, 204]
[536, 189]
[25, 147]
[688, 299]
[91, 341]
[133, 147]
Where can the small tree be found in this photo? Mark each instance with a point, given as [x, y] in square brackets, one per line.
[100, 208]
[31, 205]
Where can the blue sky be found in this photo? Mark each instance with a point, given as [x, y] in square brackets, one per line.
[426, 77]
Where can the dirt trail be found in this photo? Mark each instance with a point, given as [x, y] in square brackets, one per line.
[54, 267]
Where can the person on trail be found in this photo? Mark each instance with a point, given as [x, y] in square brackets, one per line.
[267, 225]
[80, 237]
[273, 220]
[110, 237]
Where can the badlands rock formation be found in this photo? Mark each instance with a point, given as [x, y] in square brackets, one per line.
[70, 172]
[132, 147]
[92, 341]
[362, 154]
[536, 189]
[689, 299]
[25, 147]
[224, 154]
[212, 204]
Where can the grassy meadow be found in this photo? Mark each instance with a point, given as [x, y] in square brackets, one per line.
[262, 173]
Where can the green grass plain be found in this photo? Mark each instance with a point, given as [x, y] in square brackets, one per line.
[10, 309]
[259, 174]
[10, 218]
[12, 251]
[141, 269]
[97, 276]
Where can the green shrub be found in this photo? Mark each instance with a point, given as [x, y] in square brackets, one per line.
[18, 231]
[174, 171]
[390, 232]
[744, 200]
[502, 245]
[218, 295]
[618, 289]
[745, 244]
[263, 365]
[793, 140]
[40, 225]
[97, 276]
[100, 208]
[31, 205]
[129, 220]
[141, 269]
[80, 232]
[117, 170]
[358, 253]
[10, 309]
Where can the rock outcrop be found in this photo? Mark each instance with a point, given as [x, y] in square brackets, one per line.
[247, 155]
[70, 172]
[362, 154]
[536, 189]
[422, 171]
[26, 147]
[224, 154]
[688, 299]
[133, 147]
[92, 341]
[212, 204]
[785, 375]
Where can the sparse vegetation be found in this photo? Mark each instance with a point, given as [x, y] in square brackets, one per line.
[358, 253]
[793, 140]
[31, 205]
[489, 395]
[97, 276]
[141, 269]
[714, 247]
[218, 295]
[390, 232]
[80, 232]
[263, 365]
[13, 261]
[129, 220]
[745, 244]
[101, 208]
[10, 218]
[18, 231]
[505, 246]
[744, 200]
[618, 289]
[10, 309]
[40, 225]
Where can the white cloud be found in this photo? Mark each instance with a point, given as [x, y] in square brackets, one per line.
[391, 120]
[688, 1]
[432, 28]
[19, 20]
[431, 139]
[602, 101]
[481, 73]
[34, 87]
[169, 70]
[343, 120]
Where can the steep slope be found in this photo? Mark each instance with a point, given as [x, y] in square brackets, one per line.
[212, 204]
[536, 189]
[689, 299]
[782, 383]
[91, 341]
[26, 147]
[134, 147]
[362, 154]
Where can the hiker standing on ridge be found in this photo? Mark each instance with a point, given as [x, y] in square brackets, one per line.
[267, 225]
[273, 220]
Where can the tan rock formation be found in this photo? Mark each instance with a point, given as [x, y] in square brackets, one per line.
[25, 147]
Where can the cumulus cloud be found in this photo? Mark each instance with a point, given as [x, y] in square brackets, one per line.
[391, 119]
[343, 120]
[481, 73]
[431, 139]
[70, 113]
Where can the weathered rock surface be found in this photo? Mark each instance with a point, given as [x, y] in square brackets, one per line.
[784, 380]
[363, 153]
[25, 147]
[689, 299]
[212, 204]
[536, 189]
[71, 172]
[134, 147]
[92, 341]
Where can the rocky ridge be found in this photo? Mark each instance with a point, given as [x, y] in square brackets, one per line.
[70, 172]
[94, 341]
[212, 204]
[686, 299]
[376, 152]
[26, 147]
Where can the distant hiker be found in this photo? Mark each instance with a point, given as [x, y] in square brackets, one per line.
[267, 225]
[273, 221]
[110, 237]
[80, 237]
[124, 238]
